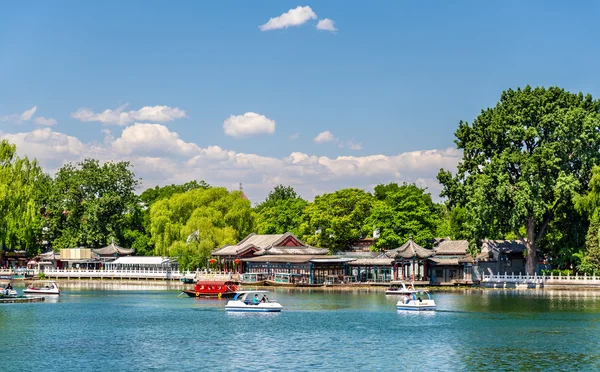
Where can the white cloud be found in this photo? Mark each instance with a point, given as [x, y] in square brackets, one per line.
[353, 145]
[294, 136]
[144, 138]
[119, 116]
[326, 136]
[40, 120]
[27, 114]
[19, 118]
[160, 156]
[248, 124]
[326, 24]
[293, 17]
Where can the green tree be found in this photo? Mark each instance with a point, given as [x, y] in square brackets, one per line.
[190, 225]
[589, 205]
[453, 223]
[404, 211]
[522, 161]
[282, 211]
[335, 220]
[149, 196]
[89, 204]
[22, 194]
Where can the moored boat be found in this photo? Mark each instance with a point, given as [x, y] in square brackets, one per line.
[253, 302]
[416, 300]
[42, 287]
[210, 288]
[399, 288]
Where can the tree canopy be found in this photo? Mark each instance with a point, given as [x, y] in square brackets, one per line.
[22, 194]
[281, 212]
[403, 211]
[336, 220]
[90, 204]
[190, 225]
[524, 160]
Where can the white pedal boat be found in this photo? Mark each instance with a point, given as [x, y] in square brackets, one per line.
[42, 287]
[417, 300]
[399, 288]
[253, 302]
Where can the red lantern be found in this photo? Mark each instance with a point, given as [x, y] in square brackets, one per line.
[212, 260]
[237, 261]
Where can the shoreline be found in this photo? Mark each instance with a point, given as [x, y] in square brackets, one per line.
[376, 287]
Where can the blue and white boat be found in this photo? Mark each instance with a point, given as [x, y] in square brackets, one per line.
[416, 300]
[253, 302]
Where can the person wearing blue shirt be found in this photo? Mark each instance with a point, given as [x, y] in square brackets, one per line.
[256, 301]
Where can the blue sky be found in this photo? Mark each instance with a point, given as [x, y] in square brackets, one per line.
[390, 84]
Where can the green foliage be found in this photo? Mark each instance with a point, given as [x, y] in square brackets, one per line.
[336, 220]
[282, 211]
[523, 160]
[149, 196]
[403, 211]
[23, 190]
[218, 216]
[454, 223]
[557, 272]
[89, 204]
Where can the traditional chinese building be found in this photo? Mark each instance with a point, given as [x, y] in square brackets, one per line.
[451, 263]
[410, 261]
[113, 251]
[281, 257]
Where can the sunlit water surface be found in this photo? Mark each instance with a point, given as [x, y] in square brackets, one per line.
[132, 328]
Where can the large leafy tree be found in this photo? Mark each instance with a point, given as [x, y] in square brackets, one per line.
[589, 205]
[282, 211]
[90, 204]
[190, 225]
[336, 220]
[453, 223]
[140, 238]
[405, 210]
[523, 160]
[23, 190]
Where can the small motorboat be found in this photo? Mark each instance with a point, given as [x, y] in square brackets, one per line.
[417, 300]
[399, 288]
[42, 287]
[254, 302]
[212, 288]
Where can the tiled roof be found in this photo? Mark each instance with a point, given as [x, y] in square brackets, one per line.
[112, 250]
[269, 244]
[410, 249]
[285, 258]
[372, 262]
[451, 247]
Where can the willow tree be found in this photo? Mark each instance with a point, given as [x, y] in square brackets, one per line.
[21, 196]
[523, 160]
[190, 225]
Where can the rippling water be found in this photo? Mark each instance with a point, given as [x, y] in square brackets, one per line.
[129, 328]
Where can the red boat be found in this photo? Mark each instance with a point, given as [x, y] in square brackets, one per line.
[213, 289]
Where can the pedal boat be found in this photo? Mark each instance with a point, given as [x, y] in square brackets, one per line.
[244, 302]
[42, 287]
[417, 300]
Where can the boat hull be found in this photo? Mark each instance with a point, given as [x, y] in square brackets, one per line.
[33, 292]
[388, 292]
[192, 293]
[416, 308]
[250, 310]
[240, 306]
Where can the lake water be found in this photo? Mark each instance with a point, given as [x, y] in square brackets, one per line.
[133, 328]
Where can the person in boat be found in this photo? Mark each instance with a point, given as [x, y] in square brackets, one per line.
[419, 298]
[256, 301]
[8, 287]
[264, 298]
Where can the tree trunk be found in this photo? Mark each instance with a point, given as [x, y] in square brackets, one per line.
[531, 247]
